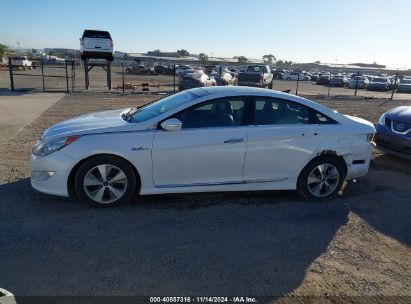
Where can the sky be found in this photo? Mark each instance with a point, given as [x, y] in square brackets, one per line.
[347, 31]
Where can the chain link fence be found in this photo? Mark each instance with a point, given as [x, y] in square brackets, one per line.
[128, 76]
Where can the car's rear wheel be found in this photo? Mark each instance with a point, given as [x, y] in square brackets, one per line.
[105, 181]
[322, 178]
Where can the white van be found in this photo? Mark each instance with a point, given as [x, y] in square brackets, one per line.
[96, 44]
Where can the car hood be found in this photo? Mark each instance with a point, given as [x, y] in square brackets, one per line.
[401, 114]
[365, 126]
[100, 122]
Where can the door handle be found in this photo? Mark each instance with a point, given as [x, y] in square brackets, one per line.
[233, 140]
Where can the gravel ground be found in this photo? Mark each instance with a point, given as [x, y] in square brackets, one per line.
[262, 243]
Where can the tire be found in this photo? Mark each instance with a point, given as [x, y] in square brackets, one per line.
[321, 187]
[100, 192]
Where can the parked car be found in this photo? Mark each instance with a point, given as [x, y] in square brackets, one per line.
[225, 78]
[379, 84]
[200, 140]
[195, 80]
[141, 70]
[180, 69]
[22, 62]
[324, 79]
[404, 86]
[315, 76]
[360, 82]
[338, 81]
[256, 76]
[163, 70]
[394, 132]
[279, 73]
[96, 44]
[296, 76]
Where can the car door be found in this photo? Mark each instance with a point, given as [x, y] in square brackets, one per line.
[209, 149]
[280, 142]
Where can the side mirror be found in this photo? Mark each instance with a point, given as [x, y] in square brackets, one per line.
[172, 124]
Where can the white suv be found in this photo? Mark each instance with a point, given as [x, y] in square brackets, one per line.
[96, 44]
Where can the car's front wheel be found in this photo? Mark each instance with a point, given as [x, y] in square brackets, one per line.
[322, 178]
[105, 181]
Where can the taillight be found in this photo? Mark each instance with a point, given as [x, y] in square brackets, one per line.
[111, 42]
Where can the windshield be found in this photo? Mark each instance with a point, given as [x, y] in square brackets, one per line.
[161, 106]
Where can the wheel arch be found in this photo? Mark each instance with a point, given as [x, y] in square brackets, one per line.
[70, 180]
[332, 153]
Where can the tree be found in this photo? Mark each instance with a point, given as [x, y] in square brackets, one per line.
[203, 58]
[241, 59]
[3, 49]
[269, 58]
[183, 52]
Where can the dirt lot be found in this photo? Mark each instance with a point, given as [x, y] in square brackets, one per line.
[261, 244]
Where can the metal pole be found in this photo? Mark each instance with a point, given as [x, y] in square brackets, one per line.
[298, 80]
[108, 75]
[393, 87]
[329, 86]
[11, 75]
[67, 81]
[174, 73]
[86, 72]
[73, 74]
[42, 75]
[356, 83]
[122, 73]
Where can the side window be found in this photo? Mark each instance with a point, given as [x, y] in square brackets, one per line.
[279, 112]
[226, 112]
[321, 119]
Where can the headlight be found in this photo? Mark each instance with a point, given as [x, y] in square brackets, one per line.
[42, 148]
[367, 137]
[382, 120]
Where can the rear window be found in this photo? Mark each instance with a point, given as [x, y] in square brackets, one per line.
[256, 69]
[96, 34]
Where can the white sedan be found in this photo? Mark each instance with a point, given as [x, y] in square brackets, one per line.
[200, 140]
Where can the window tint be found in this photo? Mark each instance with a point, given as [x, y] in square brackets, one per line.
[278, 112]
[96, 34]
[225, 112]
[319, 118]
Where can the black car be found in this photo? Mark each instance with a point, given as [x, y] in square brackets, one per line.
[324, 79]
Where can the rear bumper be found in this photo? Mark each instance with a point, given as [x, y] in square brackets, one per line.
[392, 143]
[103, 54]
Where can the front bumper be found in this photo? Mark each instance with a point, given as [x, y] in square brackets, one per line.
[392, 143]
[49, 174]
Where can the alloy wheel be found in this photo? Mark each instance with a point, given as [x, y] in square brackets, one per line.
[105, 183]
[323, 180]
